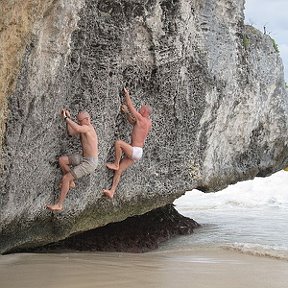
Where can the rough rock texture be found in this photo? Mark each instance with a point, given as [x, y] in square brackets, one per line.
[16, 20]
[135, 234]
[216, 86]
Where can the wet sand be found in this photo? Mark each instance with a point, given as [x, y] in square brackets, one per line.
[201, 267]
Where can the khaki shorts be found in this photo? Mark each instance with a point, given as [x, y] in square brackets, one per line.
[83, 165]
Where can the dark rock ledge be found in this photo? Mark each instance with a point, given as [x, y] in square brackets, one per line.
[135, 234]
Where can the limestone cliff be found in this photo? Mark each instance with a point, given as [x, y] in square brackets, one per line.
[216, 87]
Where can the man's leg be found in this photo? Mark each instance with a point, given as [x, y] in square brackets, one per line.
[67, 178]
[124, 165]
[120, 146]
[64, 165]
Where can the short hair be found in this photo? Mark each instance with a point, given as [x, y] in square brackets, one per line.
[85, 114]
[149, 108]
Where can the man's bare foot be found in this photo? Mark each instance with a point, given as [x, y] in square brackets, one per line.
[108, 193]
[71, 185]
[56, 207]
[112, 166]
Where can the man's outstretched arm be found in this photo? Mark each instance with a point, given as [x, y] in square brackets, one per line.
[66, 114]
[72, 127]
[76, 127]
[131, 119]
[130, 105]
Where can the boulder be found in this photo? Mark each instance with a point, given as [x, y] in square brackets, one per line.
[216, 87]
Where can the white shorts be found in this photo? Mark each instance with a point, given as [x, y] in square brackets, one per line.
[137, 153]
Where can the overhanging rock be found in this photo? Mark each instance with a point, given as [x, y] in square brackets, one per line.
[219, 102]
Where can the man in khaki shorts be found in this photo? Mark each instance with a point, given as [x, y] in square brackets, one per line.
[83, 164]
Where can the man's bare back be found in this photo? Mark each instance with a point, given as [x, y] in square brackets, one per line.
[89, 142]
[140, 131]
[84, 163]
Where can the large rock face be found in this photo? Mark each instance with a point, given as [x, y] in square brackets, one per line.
[216, 86]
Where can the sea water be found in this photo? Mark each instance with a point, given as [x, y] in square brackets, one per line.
[250, 217]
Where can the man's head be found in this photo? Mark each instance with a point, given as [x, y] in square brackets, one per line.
[145, 110]
[83, 117]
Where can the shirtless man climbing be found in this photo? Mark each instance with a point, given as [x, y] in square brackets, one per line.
[84, 163]
[132, 152]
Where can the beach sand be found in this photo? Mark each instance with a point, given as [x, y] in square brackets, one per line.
[196, 267]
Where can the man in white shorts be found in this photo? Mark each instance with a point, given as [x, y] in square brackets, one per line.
[132, 152]
[83, 164]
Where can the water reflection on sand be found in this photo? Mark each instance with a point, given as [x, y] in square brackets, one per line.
[187, 268]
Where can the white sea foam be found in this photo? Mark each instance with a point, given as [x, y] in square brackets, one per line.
[260, 192]
[249, 217]
[278, 252]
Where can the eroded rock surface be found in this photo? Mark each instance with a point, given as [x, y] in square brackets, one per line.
[216, 87]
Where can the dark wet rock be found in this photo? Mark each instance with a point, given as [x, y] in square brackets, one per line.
[135, 234]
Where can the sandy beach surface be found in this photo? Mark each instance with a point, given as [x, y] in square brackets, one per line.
[196, 267]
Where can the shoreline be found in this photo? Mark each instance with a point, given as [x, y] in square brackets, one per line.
[197, 267]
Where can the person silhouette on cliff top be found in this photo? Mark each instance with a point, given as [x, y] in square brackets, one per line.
[84, 163]
[133, 152]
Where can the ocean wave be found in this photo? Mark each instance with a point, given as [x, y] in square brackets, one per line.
[249, 212]
[280, 253]
[260, 192]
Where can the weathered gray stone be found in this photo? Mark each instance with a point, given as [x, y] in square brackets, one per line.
[216, 86]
